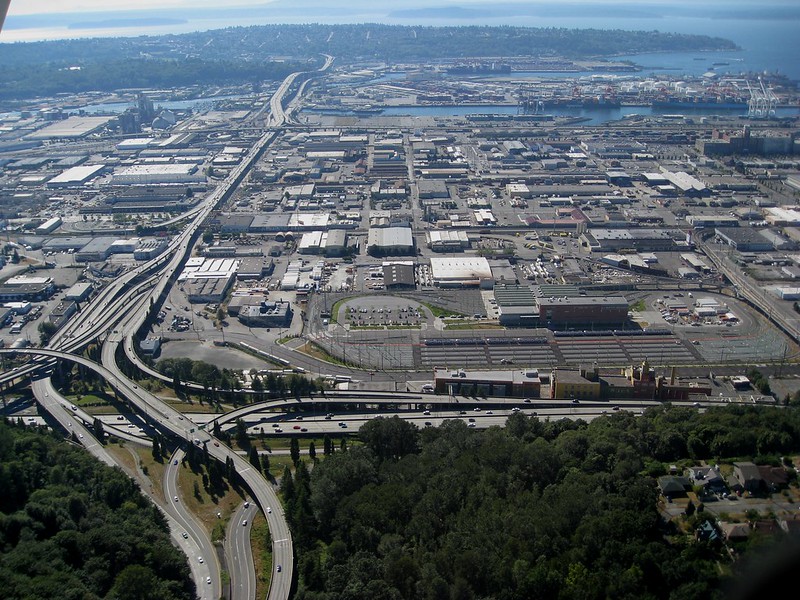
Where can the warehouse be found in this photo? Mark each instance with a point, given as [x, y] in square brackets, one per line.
[156, 174]
[97, 250]
[382, 241]
[473, 271]
[611, 240]
[336, 242]
[399, 275]
[447, 240]
[743, 239]
[49, 226]
[512, 384]
[76, 176]
[71, 128]
[312, 242]
[24, 288]
[266, 314]
[79, 292]
[584, 310]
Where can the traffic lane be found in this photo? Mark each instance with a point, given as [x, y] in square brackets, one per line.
[196, 543]
[239, 552]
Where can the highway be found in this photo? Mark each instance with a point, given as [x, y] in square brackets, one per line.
[202, 546]
[124, 299]
[239, 552]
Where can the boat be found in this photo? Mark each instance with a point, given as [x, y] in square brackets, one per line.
[366, 111]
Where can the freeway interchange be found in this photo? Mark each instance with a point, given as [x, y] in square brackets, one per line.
[115, 316]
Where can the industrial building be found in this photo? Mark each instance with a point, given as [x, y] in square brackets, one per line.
[208, 279]
[266, 314]
[512, 384]
[24, 288]
[76, 176]
[467, 271]
[383, 241]
[743, 239]
[62, 312]
[49, 226]
[157, 174]
[79, 292]
[399, 275]
[71, 128]
[632, 382]
[585, 310]
[612, 240]
[447, 240]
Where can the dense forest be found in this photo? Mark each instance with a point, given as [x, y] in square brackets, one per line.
[72, 528]
[266, 52]
[535, 510]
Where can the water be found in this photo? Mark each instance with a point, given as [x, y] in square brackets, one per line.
[767, 44]
[120, 107]
[595, 115]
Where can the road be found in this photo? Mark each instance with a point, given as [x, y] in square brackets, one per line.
[239, 553]
[125, 300]
[197, 540]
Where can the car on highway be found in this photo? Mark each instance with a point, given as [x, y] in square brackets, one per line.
[296, 427]
[488, 412]
[427, 412]
[471, 425]
[120, 418]
[175, 462]
[269, 509]
[208, 579]
[303, 429]
[80, 435]
[185, 535]
[279, 430]
[279, 568]
[275, 425]
[73, 407]
[200, 559]
[247, 505]
[175, 498]
[244, 522]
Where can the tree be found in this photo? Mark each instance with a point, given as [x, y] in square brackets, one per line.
[294, 451]
[46, 331]
[15, 257]
[265, 465]
[327, 445]
[99, 432]
[156, 449]
[312, 451]
[253, 457]
[241, 434]
[208, 236]
[391, 438]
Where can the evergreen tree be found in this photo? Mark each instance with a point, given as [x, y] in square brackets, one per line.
[312, 451]
[253, 457]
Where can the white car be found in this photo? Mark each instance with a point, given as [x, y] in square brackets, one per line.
[244, 523]
[200, 559]
[176, 498]
[208, 579]
[269, 510]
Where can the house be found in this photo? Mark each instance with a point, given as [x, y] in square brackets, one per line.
[672, 487]
[775, 478]
[748, 476]
[708, 477]
[706, 532]
[733, 532]
[790, 525]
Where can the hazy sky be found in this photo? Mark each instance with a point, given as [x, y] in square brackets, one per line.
[27, 7]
